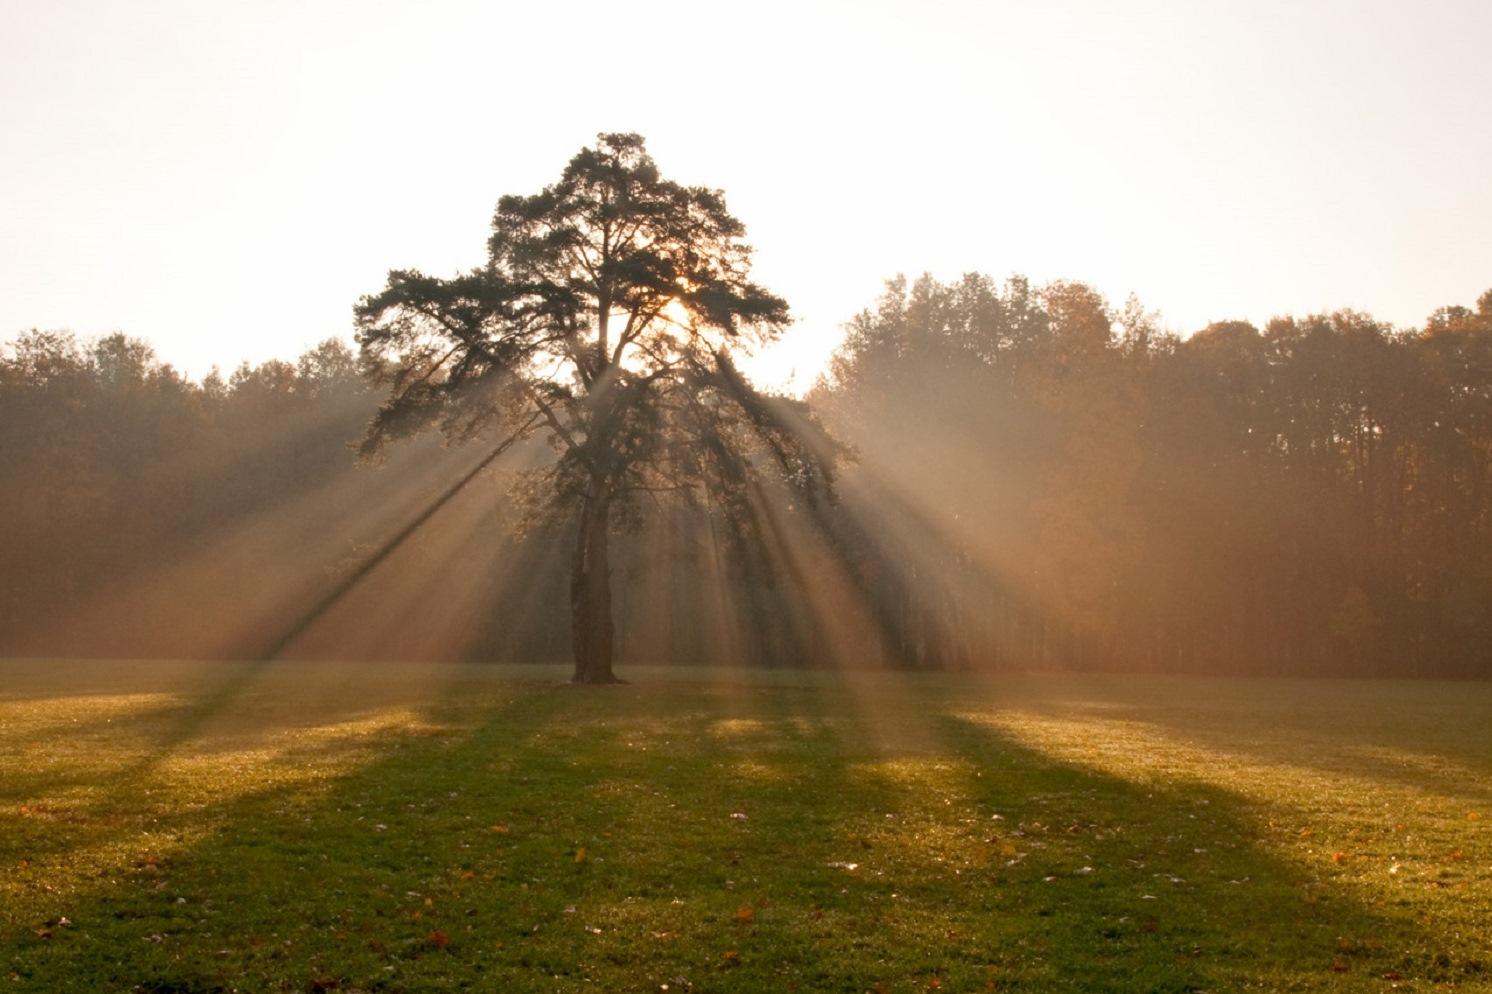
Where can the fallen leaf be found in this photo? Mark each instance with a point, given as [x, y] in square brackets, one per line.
[438, 939]
[1339, 857]
[580, 855]
[731, 957]
[745, 915]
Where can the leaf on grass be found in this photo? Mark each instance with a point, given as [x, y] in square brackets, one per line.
[438, 939]
[731, 957]
[1339, 857]
[500, 829]
[580, 855]
[745, 915]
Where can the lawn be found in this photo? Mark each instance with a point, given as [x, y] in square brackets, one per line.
[175, 827]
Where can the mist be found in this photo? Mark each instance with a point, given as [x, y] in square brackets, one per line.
[1031, 479]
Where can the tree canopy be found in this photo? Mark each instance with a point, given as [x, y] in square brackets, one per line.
[606, 318]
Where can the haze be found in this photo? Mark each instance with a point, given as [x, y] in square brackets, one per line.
[742, 497]
[226, 179]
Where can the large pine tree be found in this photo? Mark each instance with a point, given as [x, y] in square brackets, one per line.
[606, 317]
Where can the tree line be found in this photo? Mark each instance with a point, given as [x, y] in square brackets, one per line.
[1036, 480]
[1068, 485]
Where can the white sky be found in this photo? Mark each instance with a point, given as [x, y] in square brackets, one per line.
[226, 178]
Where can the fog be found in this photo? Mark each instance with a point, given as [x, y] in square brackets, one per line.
[1028, 478]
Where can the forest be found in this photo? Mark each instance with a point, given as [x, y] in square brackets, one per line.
[1031, 478]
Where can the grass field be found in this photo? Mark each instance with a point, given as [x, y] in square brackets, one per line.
[172, 827]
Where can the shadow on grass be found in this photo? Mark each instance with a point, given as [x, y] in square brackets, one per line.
[1427, 738]
[715, 838]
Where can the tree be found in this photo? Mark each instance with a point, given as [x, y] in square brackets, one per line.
[605, 318]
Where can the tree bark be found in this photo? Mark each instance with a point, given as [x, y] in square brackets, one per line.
[590, 591]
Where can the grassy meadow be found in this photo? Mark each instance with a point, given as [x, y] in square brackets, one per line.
[187, 828]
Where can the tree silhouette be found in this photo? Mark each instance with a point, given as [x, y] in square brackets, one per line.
[606, 318]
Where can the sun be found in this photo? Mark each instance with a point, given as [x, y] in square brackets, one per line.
[676, 314]
[791, 363]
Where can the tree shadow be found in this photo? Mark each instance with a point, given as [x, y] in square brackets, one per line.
[718, 837]
[1427, 738]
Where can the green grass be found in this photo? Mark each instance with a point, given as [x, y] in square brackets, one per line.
[172, 827]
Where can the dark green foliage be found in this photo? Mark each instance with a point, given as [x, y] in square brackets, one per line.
[605, 317]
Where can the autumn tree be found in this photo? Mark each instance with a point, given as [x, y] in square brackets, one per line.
[605, 319]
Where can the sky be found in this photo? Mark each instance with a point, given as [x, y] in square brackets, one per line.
[226, 178]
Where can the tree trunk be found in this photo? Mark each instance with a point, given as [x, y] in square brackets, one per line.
[590, 591]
